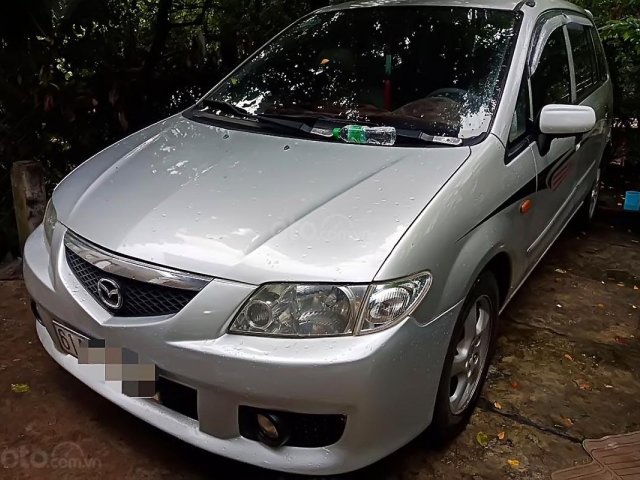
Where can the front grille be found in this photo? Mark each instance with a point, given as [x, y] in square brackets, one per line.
[140, 299]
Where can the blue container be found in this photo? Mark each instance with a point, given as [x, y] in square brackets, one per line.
[632, 202]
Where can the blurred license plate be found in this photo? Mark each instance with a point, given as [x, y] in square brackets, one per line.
[70, 342]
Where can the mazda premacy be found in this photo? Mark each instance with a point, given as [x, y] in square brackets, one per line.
[306, 269]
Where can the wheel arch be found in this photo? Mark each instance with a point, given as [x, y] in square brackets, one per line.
[497, 260]
[501, 268]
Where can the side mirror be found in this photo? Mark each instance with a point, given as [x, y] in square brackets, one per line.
[566, 120]
[558, 121]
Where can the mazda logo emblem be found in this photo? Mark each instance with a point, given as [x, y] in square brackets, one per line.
[109, 293]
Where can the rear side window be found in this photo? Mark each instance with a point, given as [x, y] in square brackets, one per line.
[601, 59]
[584, 60]
[551, 82]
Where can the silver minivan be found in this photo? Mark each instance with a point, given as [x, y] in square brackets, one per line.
[305, 270]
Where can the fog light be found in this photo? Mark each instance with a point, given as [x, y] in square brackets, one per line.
[272, 430]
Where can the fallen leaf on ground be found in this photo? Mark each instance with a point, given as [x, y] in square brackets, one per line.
[498, 405]
[600, 305]
[635, 287]
[482, 439]
[515, 385]
[568, 357]
[567, 422]
[20, 388]
[584, 386]
[559, 270]
[513, 463]
[501, 435]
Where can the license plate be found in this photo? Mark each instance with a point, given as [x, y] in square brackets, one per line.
[70, 342]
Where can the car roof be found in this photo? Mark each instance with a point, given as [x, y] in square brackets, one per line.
[541, 5]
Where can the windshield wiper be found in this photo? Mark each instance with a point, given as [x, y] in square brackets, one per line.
[317, 125]
[302, 122]
[320, 125]
[226, 107]
[307, 124]
[214, 108]
[422, 136]
[229, 108]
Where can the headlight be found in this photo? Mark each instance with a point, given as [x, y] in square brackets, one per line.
[288, 310]
[49, 222]
[303, 310]
[389, 303]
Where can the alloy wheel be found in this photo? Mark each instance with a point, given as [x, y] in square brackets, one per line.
[595, 193]
[471, 355]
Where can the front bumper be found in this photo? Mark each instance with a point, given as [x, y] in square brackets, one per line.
[385, 383]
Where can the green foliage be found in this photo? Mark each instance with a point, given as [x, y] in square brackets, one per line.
[86, 72]
[619, 22]
[622, 38]
[619, 25]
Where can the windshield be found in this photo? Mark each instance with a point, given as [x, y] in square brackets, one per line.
[434, 69]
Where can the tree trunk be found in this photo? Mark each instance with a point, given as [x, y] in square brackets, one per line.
[228, 48]
[29, 197]
[161, 34]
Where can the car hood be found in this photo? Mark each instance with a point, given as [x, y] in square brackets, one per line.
[251, 207]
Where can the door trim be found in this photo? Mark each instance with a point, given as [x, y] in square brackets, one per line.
[570, 198]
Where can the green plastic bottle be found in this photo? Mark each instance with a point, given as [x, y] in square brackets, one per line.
[364, 135]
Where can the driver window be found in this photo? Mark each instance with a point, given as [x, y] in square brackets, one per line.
[551, 82]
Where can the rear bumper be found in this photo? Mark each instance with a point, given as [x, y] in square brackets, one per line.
[384, 383]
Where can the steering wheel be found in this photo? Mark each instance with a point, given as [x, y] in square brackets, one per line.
[456, 94]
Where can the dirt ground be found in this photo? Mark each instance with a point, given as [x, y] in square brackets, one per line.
[567, 368]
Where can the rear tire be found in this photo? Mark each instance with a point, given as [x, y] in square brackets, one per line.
[588, 210]
[467, 362]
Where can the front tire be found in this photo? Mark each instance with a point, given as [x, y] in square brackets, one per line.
[467, 361]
